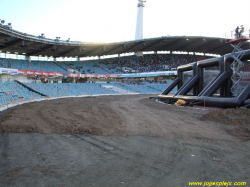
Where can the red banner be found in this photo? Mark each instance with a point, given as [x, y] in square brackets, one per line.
[114, 76]
[30, 72]
[58, 74]
[97, 75]
[51, 74]
[27, 72]
[23, 72]
[46, 73]
[74, 75]
[89, 75]
[38, 72]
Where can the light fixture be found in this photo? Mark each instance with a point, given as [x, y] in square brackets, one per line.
[57, 39]
[42, 36]
[24, 53]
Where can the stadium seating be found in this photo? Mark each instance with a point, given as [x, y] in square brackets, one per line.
[69, 89]
[132, 64]
[12, 92]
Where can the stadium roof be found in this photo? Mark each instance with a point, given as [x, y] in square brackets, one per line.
[16, 42]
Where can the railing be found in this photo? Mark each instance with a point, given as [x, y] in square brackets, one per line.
[232, 34]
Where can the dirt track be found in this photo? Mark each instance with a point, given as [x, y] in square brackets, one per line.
[122, 141]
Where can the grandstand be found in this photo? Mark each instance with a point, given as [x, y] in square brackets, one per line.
[133, 64]
[55, 130]
[35, 76]
[28, 73]
[41, 79]
[17, 92]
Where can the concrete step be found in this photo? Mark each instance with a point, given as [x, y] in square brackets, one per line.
[119, 90]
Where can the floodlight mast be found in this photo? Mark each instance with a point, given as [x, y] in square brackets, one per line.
[139, 23]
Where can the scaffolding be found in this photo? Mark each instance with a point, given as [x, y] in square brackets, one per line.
[236, 39]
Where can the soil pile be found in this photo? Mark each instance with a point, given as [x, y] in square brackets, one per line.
[129, 115]
[235, 121]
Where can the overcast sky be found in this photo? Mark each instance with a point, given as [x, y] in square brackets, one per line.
[115, 20]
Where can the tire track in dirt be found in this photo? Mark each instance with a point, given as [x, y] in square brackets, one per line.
[115, 115]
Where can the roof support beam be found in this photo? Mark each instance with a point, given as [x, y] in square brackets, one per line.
[149, 46]
[128, 49]
[203, 45]
[214, 49]
[68, 52]
[188, 44]
[170, 44]
[11, 44]
[39, 50]
[92, 52]
[113, 49]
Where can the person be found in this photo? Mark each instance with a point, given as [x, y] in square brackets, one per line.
[241, 31]
[237, 32]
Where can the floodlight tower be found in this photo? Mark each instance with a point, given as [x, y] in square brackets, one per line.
[139, 23]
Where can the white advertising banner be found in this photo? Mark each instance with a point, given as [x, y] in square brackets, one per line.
[8, 71]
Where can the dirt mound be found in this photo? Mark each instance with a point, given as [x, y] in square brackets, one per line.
[236, 120]
[130, 115]
[229, 116]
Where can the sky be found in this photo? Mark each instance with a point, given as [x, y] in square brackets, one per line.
[115, 20]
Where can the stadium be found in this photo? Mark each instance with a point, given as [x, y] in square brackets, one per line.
[161, 111]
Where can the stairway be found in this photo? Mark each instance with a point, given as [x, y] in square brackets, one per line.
[30, 88]
[119, 90]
